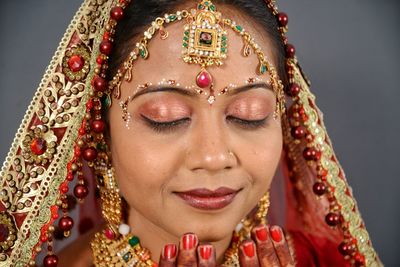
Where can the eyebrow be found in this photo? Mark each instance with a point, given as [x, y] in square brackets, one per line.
[192, 93]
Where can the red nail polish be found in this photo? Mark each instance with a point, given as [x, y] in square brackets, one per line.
[188, 241]
[262, 234]
[205, 252]
[249, 249]
[169, 251]
[276, 234]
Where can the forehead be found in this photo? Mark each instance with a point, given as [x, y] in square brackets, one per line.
[165, 58]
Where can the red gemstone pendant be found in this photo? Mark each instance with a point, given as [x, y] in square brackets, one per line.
[204, 79]
[76, 63]
[38, 146]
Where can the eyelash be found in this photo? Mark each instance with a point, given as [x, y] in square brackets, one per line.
[169, 126]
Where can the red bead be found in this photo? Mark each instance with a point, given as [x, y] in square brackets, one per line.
[109, 233]
[64, 188]
[98, 126]
[117, 13]
[38, 146]
[66, 223]
[332, 219]
[81, 191]
[298, 132]
[346, 248]
[99, 60]
[89, 104]
[43, 238]
[290, 51]
[283, 19]
[294, 89]
[311, 154]
[319, 188]
[50, 261]
[203, 79]
[99, 83]
[359, 260]
[89, 154]
[105, 47]
[77, 151]
[70, 177]
[76, 63]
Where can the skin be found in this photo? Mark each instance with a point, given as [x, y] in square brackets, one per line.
[209, 150]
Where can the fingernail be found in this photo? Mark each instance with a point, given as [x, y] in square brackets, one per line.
[262, 234]
[276, 234]
[188, 241]
[248, 248]
[169, 251]
[205, 251]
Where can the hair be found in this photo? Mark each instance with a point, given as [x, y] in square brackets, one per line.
[140, 14]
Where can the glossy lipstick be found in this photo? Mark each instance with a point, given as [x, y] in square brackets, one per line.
[206, 199]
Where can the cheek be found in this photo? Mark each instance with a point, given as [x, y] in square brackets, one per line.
[261, 156]
[142, 166]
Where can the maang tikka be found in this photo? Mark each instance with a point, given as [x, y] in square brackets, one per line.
[204, 41]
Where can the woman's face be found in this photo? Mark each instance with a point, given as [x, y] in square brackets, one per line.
[165, 170]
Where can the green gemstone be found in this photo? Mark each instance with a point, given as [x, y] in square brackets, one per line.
[106, 101]
[133, 241]
[200, 6]
[223, 43]
[263, 69]
[101, 147]
[142, 53]
[172, 17]
[127, 257]
[206, 3]
[223, 50]
[212, 7]
[224, 37]
[239, 28]
[185, 44]
[186, 39]
[186, 32]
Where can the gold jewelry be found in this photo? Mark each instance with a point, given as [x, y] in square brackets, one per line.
[116, 246]
[205, 42]
[110, 199]
[263, 205]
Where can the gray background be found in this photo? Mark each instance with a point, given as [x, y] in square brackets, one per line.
[349, 49]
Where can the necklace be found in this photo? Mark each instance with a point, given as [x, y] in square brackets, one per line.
[125, 250]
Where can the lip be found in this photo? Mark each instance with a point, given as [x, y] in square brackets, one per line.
[205, 199]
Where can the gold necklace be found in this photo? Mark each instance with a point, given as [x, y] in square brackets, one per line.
[126, 251]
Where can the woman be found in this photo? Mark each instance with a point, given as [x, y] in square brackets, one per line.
[197, 96]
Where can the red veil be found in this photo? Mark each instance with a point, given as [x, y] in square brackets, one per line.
[309, 196]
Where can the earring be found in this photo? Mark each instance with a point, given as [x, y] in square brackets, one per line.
[263, 205]
[243, 229]
[110, 201]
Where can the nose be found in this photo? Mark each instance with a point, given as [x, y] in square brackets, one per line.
[210, 148]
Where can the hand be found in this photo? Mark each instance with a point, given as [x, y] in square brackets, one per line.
[267, 248]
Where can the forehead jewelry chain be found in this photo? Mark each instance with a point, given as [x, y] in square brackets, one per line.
[204, 41]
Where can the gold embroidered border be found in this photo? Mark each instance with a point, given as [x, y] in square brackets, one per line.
[347, 206]
[84, 26]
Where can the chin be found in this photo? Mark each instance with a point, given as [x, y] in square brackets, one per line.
[212, 227]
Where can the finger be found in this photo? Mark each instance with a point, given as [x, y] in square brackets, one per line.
[247, 254]
[187, 251]
[265, 248]
[168, 256]
[281, 246]
[206, 255]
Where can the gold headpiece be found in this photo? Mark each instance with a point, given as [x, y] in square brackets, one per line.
[205, 42]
